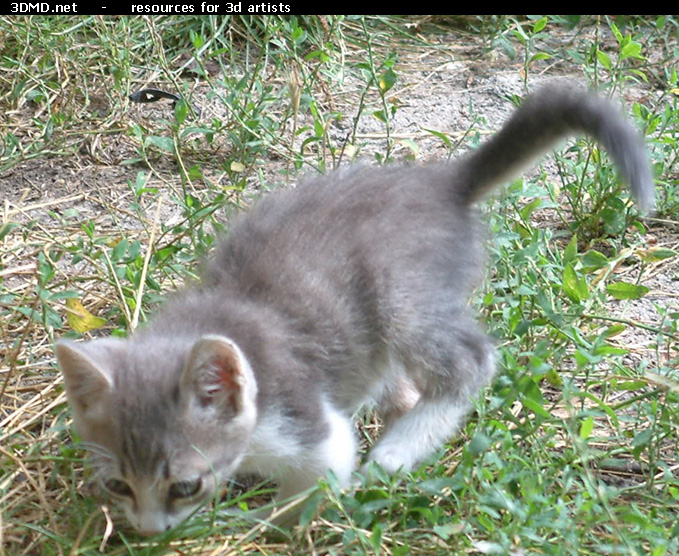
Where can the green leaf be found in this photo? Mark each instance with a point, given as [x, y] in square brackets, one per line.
[387, 80]
[536, 407]
[379, 114]
[7, 228]
[656, 254]
[625, 290]
[195, 172]
[140, 182]
[539, 25]
[604, 59]
[571, 250]
[311, 508]
[165, 144]
[376, 536]
[438, 486]
[196, 39]
[554, 378]
[659, 550]
[119, 250]
[322, 56]
[479, 443]
[593, 260]
[540, 56]
[440, 135]
[629, 385]
[631, 50]
[574, 286]
[181, 111]
[447, 530]
[613, 216]
[134, 251]
[643, 438]
[609, 350]
[298, 35]
[614, 330]
[528, 209]
[586, 428]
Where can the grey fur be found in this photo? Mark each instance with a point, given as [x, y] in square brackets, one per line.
[348, 289]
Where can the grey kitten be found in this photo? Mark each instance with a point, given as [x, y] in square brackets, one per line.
[348, 290]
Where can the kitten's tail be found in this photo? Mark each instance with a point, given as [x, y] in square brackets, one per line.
[545, 117]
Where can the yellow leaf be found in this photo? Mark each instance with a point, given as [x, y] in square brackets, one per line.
[237, 166]
[80, 319]
[350, 151]
[114, 241]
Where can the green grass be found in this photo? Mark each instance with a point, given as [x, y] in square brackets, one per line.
[574, 449]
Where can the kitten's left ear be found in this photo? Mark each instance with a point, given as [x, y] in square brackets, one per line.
[88, 375]
[218, 376]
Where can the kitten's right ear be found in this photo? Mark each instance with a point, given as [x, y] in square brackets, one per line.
[218, 377]
[88, 383]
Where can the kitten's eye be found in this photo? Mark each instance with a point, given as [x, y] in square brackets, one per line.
[185, 489]
[118, 488]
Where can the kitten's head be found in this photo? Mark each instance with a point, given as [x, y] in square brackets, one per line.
[166, 420]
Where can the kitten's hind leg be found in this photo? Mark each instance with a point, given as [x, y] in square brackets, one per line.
[399, 398]
[413, 437]
[458, 362]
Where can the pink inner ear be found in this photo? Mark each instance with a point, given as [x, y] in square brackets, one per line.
[228, 374]
[221, 378]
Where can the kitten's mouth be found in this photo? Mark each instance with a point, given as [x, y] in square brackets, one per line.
[149, 533]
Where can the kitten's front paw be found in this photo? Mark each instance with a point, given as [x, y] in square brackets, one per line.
[390, 458]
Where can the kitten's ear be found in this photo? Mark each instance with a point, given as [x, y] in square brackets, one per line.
[218, 376]
[88, 382]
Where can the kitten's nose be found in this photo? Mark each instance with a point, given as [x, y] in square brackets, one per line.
[151, 532]
[148, 530]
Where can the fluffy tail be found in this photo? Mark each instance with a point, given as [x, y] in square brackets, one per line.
[547, 116]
